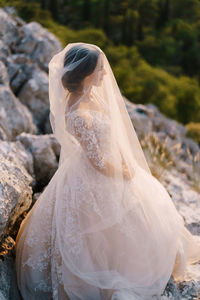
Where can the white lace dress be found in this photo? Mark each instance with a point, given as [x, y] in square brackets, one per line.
[72, 245]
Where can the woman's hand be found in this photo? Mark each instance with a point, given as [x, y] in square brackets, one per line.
[126, 174]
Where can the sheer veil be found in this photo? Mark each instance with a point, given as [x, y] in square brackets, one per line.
[82, 218]
[109, 97]
[104, 225]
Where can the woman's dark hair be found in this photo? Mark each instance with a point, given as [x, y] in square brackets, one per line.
[71, 80]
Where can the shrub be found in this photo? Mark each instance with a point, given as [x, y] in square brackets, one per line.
[193, 131]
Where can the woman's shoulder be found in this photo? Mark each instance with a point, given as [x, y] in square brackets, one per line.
[78, 118]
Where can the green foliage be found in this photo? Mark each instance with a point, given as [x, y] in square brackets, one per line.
[193, 131]
[152, 45]
[188, 100]
[93, 36]
[178, 98]
[176, 45]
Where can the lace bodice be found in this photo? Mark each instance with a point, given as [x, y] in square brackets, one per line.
[92, 131]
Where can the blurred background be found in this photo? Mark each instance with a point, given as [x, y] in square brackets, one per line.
[152, 45]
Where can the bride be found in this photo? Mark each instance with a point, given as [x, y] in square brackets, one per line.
[103, 228]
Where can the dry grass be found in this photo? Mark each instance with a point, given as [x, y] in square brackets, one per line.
[158, 156]
[195, 165]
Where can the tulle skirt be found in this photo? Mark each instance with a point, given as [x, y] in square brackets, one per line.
[88, 237]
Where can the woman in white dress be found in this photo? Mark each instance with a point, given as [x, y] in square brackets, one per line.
[104, 227]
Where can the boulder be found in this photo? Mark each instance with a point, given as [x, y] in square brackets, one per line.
[140, 116]
[8, 282]
[19, 68]
[44, 149]
[15, 184]
[4, 51]
[4, 79]
[39, 43]
[9, 32]
[14, 116]
[35, 95]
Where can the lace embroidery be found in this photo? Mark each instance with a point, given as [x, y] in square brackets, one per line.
[87, 135]
[41, 243]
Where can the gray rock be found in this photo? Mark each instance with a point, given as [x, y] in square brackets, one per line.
[9, 33]
[14, 116]
[4, 51]
[186, 290]
[185, 198]
[43, 149]
[11, 10]
[15, 184]
[35, 95]
[16, 154]
[39, 43]
[15, 194]
[2, 296]
[148, 120]
[141, 117]
[4, 79]
[19, 68]
[8, 281]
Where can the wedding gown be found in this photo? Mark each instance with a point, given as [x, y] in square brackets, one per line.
[64, 251]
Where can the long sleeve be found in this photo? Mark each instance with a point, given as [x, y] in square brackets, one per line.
[86, 136]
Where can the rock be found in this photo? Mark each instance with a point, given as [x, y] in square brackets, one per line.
[9, 32]
[8, 282]
[15, 184]
[35, 197]
[35, 95]
[140, 116]
[16, 153]
[4, 79]
[43, 149]
[19, 68]
[148, 120]
[2, 296]
[39, 43]
[4, 51]
[189, 290]
[185, 199]
[13, 14]
[14, 116]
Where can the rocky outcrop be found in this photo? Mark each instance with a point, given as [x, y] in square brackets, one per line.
[8, 283]
[28, 161]
[9, 32]
[45, 150]
[34, 94]
[147, 120]
[14, 117]
[26, 52]
[38, 43]
[15, 184]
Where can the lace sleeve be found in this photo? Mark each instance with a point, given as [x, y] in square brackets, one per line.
[86, 136]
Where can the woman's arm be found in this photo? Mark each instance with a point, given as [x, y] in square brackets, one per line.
[126, 173]
[85, 134]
